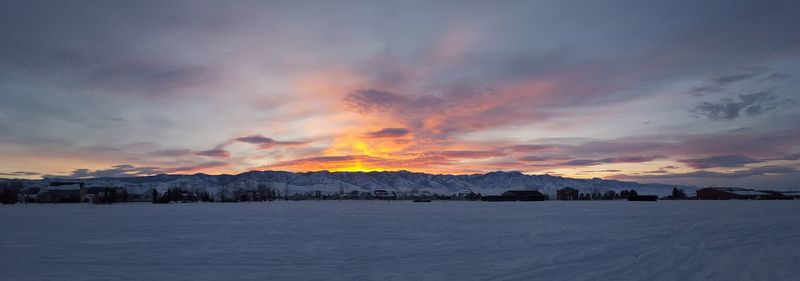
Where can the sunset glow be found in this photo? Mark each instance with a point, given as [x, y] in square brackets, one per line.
[677, 93]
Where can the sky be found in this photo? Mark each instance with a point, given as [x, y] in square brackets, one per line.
[684, 92]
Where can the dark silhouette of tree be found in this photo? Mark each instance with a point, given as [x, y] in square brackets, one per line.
[678, 193]
[8, 195]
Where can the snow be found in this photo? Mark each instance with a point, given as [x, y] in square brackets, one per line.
[750, 192]
[378, 240]
[493, 183]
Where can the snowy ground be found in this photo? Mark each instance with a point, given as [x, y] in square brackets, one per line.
[690, 240]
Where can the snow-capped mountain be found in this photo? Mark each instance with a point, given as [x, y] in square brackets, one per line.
[398, 181]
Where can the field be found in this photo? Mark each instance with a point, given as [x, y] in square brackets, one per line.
[349, 240]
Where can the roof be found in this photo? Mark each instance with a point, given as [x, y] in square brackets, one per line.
[523, 192]
[740, 191]
[383, 192]
[65, 191]
[96, 189]
[749, 192]
[790, 192]
[75, 187]
[63, 183]
[139, 191]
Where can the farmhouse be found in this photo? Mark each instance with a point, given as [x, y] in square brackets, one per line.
[383, 194]
[140, 194]
[567, 193]
[62, 192]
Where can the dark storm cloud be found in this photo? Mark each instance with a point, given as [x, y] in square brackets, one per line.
[719, 161]
[754, 104]
[389, 133]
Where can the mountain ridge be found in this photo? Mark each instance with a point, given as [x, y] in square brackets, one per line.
[399, 181]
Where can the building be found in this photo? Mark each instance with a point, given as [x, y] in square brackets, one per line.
[728, 193]
[567, 193]
[29, 194]
[140, 195]
[382, 194]
[106, 194]
[516, 195]
[62, 192]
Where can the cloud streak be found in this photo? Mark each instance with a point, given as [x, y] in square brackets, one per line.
[265, 142]
[389, 133]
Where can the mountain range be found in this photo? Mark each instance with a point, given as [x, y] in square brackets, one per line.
[398, 181]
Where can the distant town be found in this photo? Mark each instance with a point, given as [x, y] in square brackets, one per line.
[13, 192]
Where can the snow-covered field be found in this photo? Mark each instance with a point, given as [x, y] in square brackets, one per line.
[689, 240]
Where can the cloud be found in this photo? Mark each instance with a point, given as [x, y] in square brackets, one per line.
[214, 153]
[719, 161]
[470, 154]
[170, 152]
[389, 133]
[115, 119]
[358, 163]
[721, 83]
[20, 174]
[457, 108]
[148, 78]
[756, 171]
[122, 170]
[626, 159]
[128, 170]
[442, 76]
[267, 143]
[368, 100]
[604, 171]
[533, 147]
[754, 104]
[195, 167]
[533, 158]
